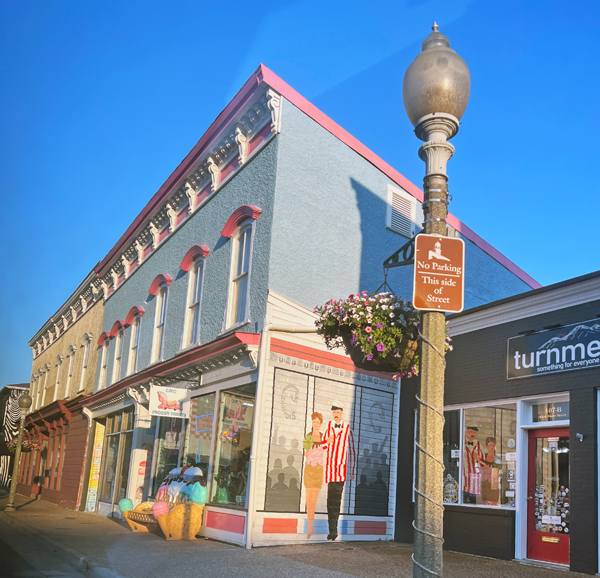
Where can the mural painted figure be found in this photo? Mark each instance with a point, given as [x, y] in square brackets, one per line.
[313, 471]
[340, 443]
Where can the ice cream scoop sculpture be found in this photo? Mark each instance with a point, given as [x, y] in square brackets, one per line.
[196, 493]
[125, 505]
[178, 507]
[160, 510]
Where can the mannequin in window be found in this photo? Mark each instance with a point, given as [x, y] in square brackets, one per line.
[491, 480]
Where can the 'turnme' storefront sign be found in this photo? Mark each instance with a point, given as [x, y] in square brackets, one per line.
[566, 348]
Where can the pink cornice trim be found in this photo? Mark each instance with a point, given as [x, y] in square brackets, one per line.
[177, 176]
[263, 74]
[193, 253]
[134, 312]
[158, 281]
[241, 213]
[104, 338]
[118, 325]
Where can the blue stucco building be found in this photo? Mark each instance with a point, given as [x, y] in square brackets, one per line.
[211, 290]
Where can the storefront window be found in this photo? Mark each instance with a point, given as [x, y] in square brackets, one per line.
[200, 433]
[169, 443]
[490, 455]
[116, 457]
[232, 449]
[487, 459]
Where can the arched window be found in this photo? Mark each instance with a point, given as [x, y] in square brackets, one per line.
[160, 316]
[116, 370]
[191, 324]
[239, 284]
[59, 361]
[86, 343]
[103, 364]
[71, 365]
[134, 319]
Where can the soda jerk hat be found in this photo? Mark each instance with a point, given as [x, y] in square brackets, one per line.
[335, 404]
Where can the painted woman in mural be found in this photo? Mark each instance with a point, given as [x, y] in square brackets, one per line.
[313, 471]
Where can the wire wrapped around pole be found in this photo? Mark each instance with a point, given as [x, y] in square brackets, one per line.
[436, 460]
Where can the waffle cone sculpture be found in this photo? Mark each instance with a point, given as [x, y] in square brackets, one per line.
[184, 522]
[160, 510]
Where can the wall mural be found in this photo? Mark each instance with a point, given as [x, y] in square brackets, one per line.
[11, 416]
[329, 450]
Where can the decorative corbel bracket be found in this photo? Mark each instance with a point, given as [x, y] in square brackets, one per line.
[215, 172]
[192, 195]
[140, 252]
[274, 105]
[242, 142]
[172, 214]
[155, 232]
[126, 265]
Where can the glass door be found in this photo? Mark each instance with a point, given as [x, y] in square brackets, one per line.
[548, 496]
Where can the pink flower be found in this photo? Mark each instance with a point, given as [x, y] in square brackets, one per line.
[379, 325]
[369, 357]
[368, 329]
[380, 347]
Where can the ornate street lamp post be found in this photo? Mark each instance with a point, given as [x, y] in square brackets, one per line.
[24, 403]
[436, 92]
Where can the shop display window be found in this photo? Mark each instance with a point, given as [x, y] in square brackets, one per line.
[199, 439]
[169, 440]
[232, 446]
[116, 457]
[487, 459]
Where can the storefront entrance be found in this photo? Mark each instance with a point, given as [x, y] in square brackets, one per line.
[548, 498]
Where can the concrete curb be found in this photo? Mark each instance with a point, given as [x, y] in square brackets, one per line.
[75, 559]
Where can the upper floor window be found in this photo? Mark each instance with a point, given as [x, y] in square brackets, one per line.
[42, 390]
[134, 320]
[59, 361]
[72, 351]
[103, 364]
[85, 359]
[116, 372]
[160, 316]
[133, 344]
[241, 251]
[191, 327]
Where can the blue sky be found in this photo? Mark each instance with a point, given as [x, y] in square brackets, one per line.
[99, 102]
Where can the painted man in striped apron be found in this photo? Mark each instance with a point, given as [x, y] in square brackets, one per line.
[340, 443]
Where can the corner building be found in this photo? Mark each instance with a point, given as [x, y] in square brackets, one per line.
[211, 290]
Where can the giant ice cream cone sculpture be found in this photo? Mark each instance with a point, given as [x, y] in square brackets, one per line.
[160, 510]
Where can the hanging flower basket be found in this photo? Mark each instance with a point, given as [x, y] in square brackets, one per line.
[26, 446]
[379, 332]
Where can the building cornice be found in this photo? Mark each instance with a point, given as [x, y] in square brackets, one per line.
[71, 311]
[238, 133]
[186, 366]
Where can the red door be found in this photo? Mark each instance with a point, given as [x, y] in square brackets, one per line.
[548, 498]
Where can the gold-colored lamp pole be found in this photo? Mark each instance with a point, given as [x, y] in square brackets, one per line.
[435, 91]
[24, 403]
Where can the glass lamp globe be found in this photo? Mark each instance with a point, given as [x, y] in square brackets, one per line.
[437, 81]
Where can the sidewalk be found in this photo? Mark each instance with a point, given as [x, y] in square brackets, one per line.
[105, 548]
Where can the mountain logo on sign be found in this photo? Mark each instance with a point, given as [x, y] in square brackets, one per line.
[577, 334]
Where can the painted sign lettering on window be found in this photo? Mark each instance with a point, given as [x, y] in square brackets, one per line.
[204, 423]
[566, 348]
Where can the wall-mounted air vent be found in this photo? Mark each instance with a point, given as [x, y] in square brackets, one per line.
[400, 212]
